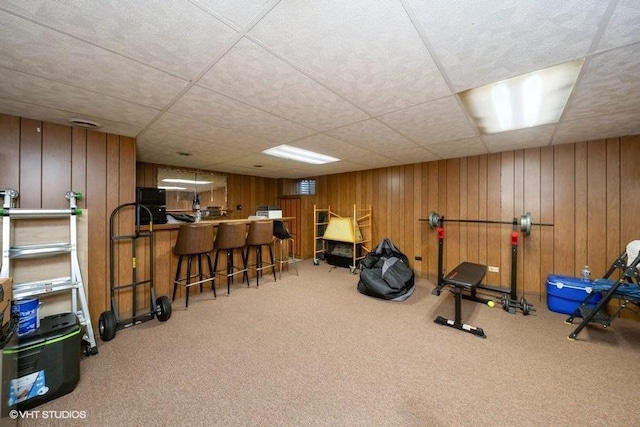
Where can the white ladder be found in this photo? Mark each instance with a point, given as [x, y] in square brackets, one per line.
[73, 283]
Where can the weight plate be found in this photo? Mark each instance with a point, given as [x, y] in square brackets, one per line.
[434, 219]
[504, 301]
[525, 223]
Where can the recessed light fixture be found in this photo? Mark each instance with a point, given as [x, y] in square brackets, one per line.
[85, 123]
[299, 155]
[532, 99]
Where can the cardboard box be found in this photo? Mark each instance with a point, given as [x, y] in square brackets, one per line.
[6, 295]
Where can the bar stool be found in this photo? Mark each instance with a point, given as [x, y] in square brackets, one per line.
[282, 235]
[260, 234]
[230, 237]
[193, 241]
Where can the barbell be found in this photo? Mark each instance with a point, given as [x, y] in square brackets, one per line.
[525, 221]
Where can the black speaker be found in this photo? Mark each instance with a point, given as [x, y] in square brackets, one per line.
[150, 196]
[155, 200]
[158, 213]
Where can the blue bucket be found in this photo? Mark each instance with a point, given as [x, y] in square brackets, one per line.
[28, 310]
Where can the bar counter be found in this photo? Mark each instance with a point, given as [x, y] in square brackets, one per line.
[176, 225]
[165, 262]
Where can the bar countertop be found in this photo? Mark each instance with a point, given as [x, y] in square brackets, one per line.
[176, 225]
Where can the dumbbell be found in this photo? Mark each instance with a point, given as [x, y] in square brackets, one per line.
[512, 306]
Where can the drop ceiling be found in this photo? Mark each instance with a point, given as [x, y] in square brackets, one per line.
[372, 82]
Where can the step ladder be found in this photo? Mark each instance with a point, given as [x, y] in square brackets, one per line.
[72, 284]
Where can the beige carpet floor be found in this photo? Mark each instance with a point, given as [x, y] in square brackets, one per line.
[309, 350]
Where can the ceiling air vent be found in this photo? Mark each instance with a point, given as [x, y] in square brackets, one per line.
[84, 123]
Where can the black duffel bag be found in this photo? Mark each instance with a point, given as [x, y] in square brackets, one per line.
[385, 273]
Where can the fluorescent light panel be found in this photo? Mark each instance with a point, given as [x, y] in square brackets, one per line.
[169, 187]
[185, 181]
[532, 99]
[300, 155]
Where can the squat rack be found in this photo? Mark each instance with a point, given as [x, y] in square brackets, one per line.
[509, 299]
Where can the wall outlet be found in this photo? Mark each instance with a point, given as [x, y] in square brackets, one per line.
[493, 269]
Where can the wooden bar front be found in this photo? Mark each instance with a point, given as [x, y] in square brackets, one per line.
[164, 238]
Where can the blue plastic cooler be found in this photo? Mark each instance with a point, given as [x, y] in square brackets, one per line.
[565, 293]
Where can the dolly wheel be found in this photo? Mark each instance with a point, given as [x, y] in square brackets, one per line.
[163, 308]
[107, 325]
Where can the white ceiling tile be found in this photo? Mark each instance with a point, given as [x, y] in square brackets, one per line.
[609, 83]
[251, 74]
[623, 27]
[201, 152]
[373, 161]
[264, 160]
[42, 52]
[239, 12]
[191, 128]
[598, 127]
[53, 115]
[520, 139]
[367, 50]
[412, 155]
[181, 40]
[231, 167]
[432, 122]
[262, 164]
[372, 135]
[462, 148]
[325, 144]
[77, 101]
[370, 162]
[210, 107]
[481, 42]
[354, 79]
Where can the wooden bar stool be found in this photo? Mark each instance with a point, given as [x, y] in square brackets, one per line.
[283, 236]
[230, 237]
[260, 234]
[193, 241]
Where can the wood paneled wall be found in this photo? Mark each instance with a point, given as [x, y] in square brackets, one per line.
[588, 190]
[44, 160]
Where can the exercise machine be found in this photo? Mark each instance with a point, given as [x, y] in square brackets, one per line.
[467, 277]
[626, 289]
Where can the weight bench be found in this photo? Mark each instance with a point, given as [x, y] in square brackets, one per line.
[465, 276]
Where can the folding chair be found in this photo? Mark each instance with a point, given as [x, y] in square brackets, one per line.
[626, 289]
